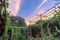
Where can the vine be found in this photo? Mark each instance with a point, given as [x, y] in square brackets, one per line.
[3, 16]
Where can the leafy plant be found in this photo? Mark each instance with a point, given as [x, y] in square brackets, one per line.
[20, 36]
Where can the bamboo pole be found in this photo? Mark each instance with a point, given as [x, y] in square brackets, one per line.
[48, 29]
[40, 17]
[30, 31]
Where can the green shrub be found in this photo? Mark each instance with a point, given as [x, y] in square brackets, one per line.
[20, 36]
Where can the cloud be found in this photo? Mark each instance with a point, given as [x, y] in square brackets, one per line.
[40, 5]
[14, 6]
[44, 1]
[37, 11]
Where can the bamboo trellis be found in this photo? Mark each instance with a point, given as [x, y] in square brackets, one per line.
[44, 15]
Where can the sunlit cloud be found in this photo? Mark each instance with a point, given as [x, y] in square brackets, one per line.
[14, 6]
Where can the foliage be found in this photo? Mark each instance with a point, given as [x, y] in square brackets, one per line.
[7, 24]
[3, 15]
[20, 36]
[50, 24]
[17, 21]
[53, 24]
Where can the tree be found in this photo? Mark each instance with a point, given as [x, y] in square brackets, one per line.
[17, 21]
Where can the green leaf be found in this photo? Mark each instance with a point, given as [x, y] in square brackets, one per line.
[7, 4]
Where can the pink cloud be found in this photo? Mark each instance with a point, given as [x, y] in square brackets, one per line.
[14, 6]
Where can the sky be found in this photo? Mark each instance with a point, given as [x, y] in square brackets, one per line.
[28, 8]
